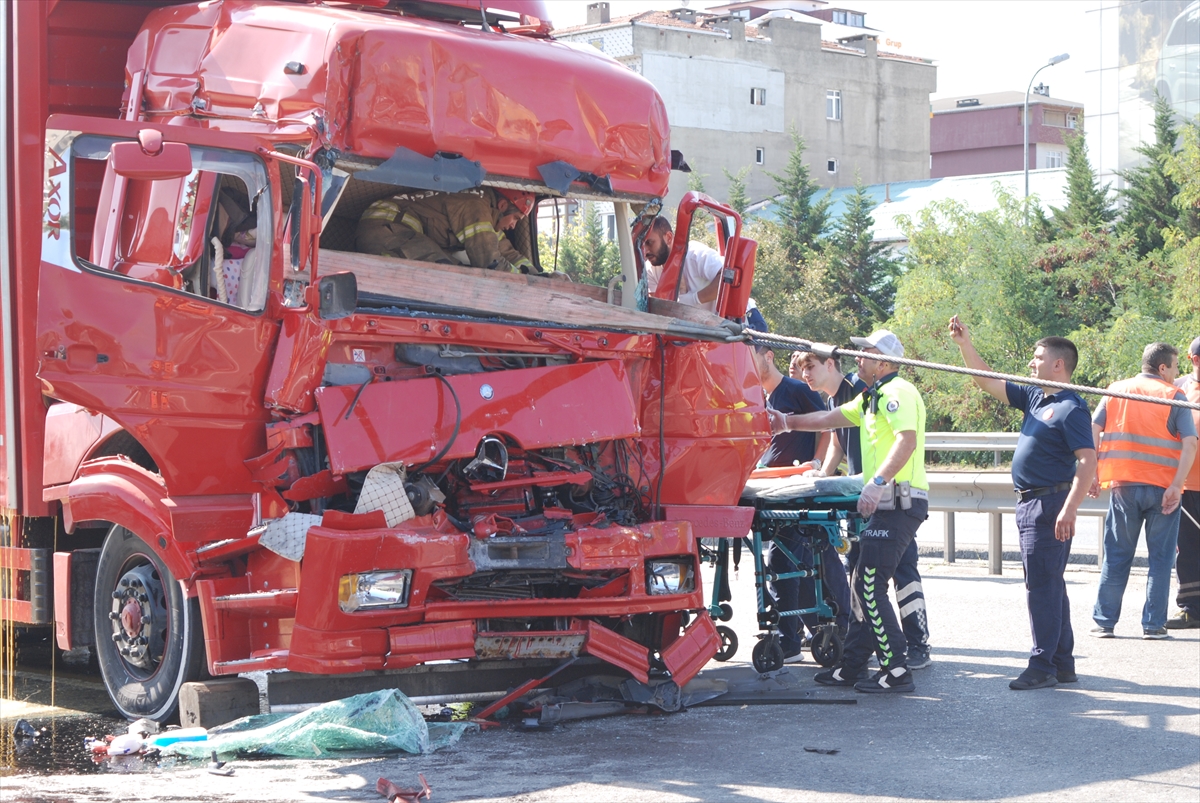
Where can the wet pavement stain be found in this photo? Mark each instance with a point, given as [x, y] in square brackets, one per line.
[58, 747]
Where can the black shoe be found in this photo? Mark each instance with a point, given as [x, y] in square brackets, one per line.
[894, 679]
[1184, 621]
[918, 658]
[793, 656]
[1160, 633]
[1101, 632]
[839, 676]
[1066, 676]
[1033, 679]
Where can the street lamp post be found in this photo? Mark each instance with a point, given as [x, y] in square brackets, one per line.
[1025, 117]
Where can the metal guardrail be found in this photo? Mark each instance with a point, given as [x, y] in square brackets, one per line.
[970, 441]
[991, 493]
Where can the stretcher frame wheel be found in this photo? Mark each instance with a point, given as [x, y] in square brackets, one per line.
[826, 646]
[767, 655]
[726, 612]
[729, 643]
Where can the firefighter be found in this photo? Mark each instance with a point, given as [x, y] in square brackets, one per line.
[431, 228]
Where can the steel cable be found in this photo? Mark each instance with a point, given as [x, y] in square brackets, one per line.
[825, 351]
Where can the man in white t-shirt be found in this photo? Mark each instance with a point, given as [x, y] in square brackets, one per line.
[700, 280]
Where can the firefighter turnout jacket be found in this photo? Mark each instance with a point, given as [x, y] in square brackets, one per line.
[467, 221]
[1137, 446]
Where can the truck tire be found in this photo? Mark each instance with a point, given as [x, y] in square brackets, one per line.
[148, 636]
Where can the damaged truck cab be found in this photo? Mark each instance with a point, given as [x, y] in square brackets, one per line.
[272, 452]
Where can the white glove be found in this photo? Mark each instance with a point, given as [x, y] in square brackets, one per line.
[868, 500]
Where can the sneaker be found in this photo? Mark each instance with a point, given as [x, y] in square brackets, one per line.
[839, 676]
[918, 658]
[1184, 621]
[1033, 679]
[1102, 632]
[1160, 633]
[895, 679]
[793, 656]
[1067, 676]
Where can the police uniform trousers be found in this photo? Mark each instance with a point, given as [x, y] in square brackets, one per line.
[875, 626]
[1044, 559]
[910, 596]
[1187, 564]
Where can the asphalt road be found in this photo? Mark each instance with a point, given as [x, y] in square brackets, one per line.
[1129, 730]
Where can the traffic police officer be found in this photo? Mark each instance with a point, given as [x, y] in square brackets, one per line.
[431, 227]
[890, 416]
[1052, 470]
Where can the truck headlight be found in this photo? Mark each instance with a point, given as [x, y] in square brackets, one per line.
[357, 592]
[670, 576]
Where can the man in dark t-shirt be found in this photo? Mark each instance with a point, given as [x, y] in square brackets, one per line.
[1052, 470]
[790, 449]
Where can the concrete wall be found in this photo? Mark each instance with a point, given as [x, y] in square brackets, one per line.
[705, 79]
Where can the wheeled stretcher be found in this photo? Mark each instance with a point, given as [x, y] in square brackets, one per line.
[828, 507]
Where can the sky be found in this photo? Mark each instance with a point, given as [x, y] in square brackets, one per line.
[979, 46]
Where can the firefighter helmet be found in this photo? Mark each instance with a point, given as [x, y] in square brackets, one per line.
[523, 201]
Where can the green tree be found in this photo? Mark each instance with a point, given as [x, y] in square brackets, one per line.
[977, 265]
[794, 297]
[584, 253]
[696, 181]
[1149, 191]
[1088, 207]
[737, 190]
[802, 219]
[861, 272]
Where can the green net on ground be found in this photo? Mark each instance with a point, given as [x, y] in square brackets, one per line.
[372, 723]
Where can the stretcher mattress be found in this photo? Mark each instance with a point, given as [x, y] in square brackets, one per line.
[787, 489]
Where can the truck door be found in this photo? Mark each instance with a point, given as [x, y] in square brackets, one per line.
[156, 279]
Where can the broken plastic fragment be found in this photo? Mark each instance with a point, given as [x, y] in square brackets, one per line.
[286, 536]
[383, 489]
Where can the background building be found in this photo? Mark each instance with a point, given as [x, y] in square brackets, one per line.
[985, 133]
[1143, 46]
[736, 79]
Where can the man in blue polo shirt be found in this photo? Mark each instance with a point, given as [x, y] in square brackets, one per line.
[1052, 471]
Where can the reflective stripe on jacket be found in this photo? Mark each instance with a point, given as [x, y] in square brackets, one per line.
[1137, 446]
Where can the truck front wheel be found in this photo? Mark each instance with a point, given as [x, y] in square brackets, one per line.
[148, 636]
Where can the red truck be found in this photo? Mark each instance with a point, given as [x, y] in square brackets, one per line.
[230, 443]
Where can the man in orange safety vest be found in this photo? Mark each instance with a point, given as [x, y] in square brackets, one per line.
[1145, 454]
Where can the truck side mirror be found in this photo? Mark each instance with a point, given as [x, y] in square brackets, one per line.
[338, 295]
[151, 159]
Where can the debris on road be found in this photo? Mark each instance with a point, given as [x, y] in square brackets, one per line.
[217, 767]
[399, 794]
[824, 751]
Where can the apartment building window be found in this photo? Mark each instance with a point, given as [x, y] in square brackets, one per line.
[1072, 121]
[760, 156]
[610, 227]
[832, 166]
[857, 21]
[1054, 159]
[833, 104]
[839, 17]
[758, 96]
[1054, 117]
